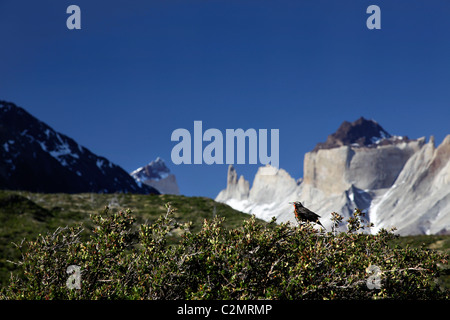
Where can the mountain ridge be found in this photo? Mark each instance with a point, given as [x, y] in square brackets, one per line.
[397, 181]
[35, 157]
[360, 133]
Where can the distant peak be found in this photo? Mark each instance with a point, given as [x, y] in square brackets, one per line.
[157, 161]
[155, 170]
[359, 133]
[157, 175]
[158, 165]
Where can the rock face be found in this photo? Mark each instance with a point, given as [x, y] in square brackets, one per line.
[336, 170]
[419, 200]
[36, 158]
[157, 175]
[269, 187]
[397, 181]
[237, 189]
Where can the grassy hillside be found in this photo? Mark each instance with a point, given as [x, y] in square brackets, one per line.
[26, 215]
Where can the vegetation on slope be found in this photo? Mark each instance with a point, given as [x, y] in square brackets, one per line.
[167, 259]
[25, 215]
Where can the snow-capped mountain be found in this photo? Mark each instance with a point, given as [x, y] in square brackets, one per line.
[157, 175]
[397, 181]
[36, 158]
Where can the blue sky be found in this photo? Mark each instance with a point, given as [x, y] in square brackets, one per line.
[138, 70]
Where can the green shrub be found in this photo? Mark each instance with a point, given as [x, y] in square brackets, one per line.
[255, 261]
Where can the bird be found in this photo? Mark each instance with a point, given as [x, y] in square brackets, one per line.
[304, 214]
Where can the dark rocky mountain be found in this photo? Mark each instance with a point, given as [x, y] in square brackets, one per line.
[34, 157]
[359, 133]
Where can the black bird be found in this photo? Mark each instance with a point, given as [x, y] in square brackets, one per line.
[304, 214]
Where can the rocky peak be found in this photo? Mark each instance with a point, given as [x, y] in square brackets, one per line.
[157, 175]
[359, 133]
[236, 188]
[155, 170]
